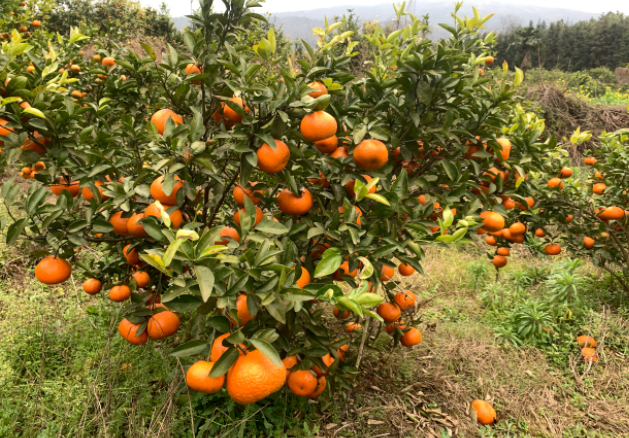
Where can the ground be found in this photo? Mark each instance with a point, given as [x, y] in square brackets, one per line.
[64, 371]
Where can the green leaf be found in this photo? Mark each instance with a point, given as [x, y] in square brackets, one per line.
[35, 112]
[149, 50]
[351, 305]
[184, 303]
[225, 362]
[328, 266]
[219, 323]
[369, 299]
[367, 268]
[271, 227]
[205, 278]
[424, 92]
[378, 198]
[14, 230]
[171, 251]
[189, 349]
[102, 226]
[268, 351]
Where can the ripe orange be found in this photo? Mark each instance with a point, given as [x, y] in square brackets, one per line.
[503, 252]
[142, 279]
[243, 310]
[318, 126]
[589, 355]
[134, 228]
[294, 205]
[198, 378]
[389, 312]
[506, 148]
[302, 382]
[485, 413]
[108, 62]
[599, 188]
[370, 154]
[228, 232]
[555, 182]
[327, 145]
[387, 273]
[229, 116]
[289, 362]
[193, 69]
[349, 187]
[337, 313]
[128, 331]
[492, 221]
[160, 118]
[88, 194]
[405, 270]
[345, 268]
[92, 286]
[540, 233]
[530, 202]
[342, 350]
[339, 153]
[35, 23]
[611, 213]
[133, 258]
[176, 218]
[321, 383]
[390, 328]
[327, 360]
[586, 341]
[565, 172]
[509, 204]
[489, 60]
[157, 191]
[53, 270]
[590, 161]
[517, 228]
[304, 279]
[162, 325]
[253, 377]
[490, 240]
[499, 261]
[351, 326]
[321, 180]
[588, 242]
[321, 89]
[120, 223]
[411, 337]
[119, 294]
[405, 299]
[239, 194]
[259, 216]
[273, 161]
[552, 249]
[568, 219]
[72, 188]
[218, 349]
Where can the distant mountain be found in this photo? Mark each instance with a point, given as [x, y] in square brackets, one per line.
[299, 24]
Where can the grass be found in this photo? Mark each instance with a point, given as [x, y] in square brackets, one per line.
[64, 371]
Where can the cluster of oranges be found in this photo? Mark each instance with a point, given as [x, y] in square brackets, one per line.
[587, 345]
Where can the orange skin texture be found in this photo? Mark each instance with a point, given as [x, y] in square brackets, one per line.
[302, 382]
[358, 212]
[141, 278]
[590, 161]
[259, 216]
[599, 188]
[88, 194]
[588, 242]
[218, 349]
[503, 252]
[157, 191]
[405, 300]
[176, 218]
[133, 258]
[371, 155]
[321, 180]
[229, 116]
[509, 204]
[254, 377]
[505, 153]
[389, 312]
[243, 310]
[304, 279]
[327, 360]
[586, 341]
[492, 221]
[589, 355]
[273, 161]
[318, 126]
[328, 145]
[289, 362]
[338, 315]
[161, 116]
[339, 153]
[565, 172]
[134, 228]
[390, 328]
[485, 413]
[53, 270]
[321, 89]
[128, 331]
[345, 268]
[162, 325]
[517, 228]
[239, 194]
[351, 183]
[553, 249]
[490, 240]
[555, 182]
[518, 238]
[612, 213]
[108, 62]
[193, 69]
[489, 60]
[228, 232]
[72, 188]
[198, 378]
[405, 270]
[540, 233]
[119, 294]
[387, 273]
[351, 326]
[321, 384]
[294, 205]
[411, 337]
[92, 286]
[499, 261]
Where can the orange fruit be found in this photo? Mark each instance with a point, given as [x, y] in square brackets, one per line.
[273, 161]
[390, 328]
[72, 188]
[489, 60]
[490, 240]
[289, 362]
[509, 204]
[239, 194]
[253, 377]
[540, 233]
[405, 300]
[351, 326]
[92, 286]
[162, 325]
[517, 228]
[128, 331]
[345, 268]
[321, 180]
[141, 278]
[337, 313]
[88, 194]
[243, 311]
[294, 205]
[611, 213]
[318, 126]
[555, 182]
[503, 252]
[157, 191]
[342, 350]
[599, 188]
[228, 232]
[259, 216]
[134, 228]
[218, 349]
[492, 221]
[351, 183]
[133, 258]
[552, 249]
[405, 270]
[160, 118]
[327, 360]
[588, 242]
[108, 62]
[339, 153]
[193, 69]
[506, 148]
[590, 161]
[320, 88]
[198, 378]
[302, 382]
[321, 383]
[586, 341]
[327, 145]
[176, 218]
[499, 261]
[529, 204]
[26, 170]
[120, 223]
[53, 270]
[387, 273]
[304, 279]
[411, 337]
[589, 355]
[565, 172]
[119, 294]
[485, 413]
[389, 312]
[370, 155]
[35, 23]
[229, 116]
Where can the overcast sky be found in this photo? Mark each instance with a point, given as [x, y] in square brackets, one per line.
[182, 7]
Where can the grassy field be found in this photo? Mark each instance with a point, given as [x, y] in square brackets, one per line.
[65, 371]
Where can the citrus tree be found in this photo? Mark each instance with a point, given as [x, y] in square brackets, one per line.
[243, 200]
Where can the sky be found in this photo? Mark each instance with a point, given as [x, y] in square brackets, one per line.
[182, 7]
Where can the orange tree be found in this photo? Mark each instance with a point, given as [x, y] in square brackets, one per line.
[230, 193]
